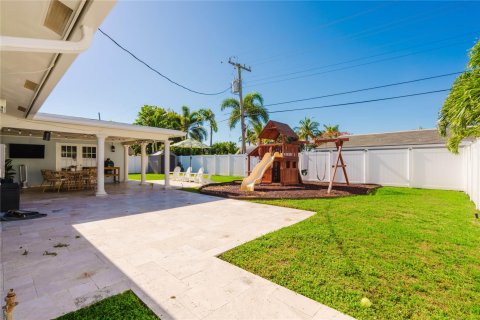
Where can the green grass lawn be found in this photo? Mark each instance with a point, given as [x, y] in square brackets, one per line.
[122, 306]
[414, 253]
[158, 176]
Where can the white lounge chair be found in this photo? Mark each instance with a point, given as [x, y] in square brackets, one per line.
[176, 174]
[187, 175]
[196, 176]
[202, 180]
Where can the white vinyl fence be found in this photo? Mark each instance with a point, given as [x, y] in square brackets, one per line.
[224, 165]
[430, 166]
[472, 166]
[421, 167]
[134, 164]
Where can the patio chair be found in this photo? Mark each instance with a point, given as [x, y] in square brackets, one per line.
[176, 174]
[197, 176]
[187, 175]
[91, 178]
[55, 179]
[45, 178]
[202, 180]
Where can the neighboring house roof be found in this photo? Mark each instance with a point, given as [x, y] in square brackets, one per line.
[274, 129]
[399, 138]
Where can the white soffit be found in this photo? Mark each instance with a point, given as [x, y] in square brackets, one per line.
[26, 19]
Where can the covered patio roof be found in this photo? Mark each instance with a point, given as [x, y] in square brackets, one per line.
[82, 128]
[67, 127]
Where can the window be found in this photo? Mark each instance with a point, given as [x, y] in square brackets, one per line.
[89, 152]
[288, 164]
[294, 164]
[69, 152]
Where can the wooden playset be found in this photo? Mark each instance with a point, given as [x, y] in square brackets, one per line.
[284, 147]
[279, 159]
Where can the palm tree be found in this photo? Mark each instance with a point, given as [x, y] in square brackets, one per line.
[254, 111]
[209, 116]
[253, 132]
[331, 131]
[460, 114]
[192, 124]
[307, 129]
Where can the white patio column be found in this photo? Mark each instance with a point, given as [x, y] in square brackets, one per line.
[100, 165]
[143, 163]
[166, 157]
[125, 162]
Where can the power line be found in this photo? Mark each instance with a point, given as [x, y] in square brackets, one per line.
[328, 24]
[364, 89]
[158, 72]
[461, 35]
[370, 31]
[361, 102]
[355, 65]
[354, 102]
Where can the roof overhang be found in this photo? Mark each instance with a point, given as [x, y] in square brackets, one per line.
[87, 127]
[42, 70]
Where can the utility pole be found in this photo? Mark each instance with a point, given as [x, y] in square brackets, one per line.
[240, 98]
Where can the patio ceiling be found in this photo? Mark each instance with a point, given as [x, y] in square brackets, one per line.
[29, 77]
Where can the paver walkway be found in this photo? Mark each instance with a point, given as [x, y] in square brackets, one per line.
[161, 244]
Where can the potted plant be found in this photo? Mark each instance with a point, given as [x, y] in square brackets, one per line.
[9, 191]
[9, 172]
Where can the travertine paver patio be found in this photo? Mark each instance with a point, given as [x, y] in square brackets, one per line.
[160, 243]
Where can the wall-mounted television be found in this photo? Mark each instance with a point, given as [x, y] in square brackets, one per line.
[26, 151]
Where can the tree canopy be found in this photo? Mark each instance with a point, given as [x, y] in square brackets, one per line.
[227, 147]
[255, 112]
[459, 117]
[253, 131]
[192, 124]
[153, 116]
[209, 117]
[307, 129]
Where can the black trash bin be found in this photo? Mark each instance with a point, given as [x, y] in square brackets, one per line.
[9, 196]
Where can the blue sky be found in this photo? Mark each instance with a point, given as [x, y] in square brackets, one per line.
[188, 42]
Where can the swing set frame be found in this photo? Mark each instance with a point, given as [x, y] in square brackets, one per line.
[338, 161]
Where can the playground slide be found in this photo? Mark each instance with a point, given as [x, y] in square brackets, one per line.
[248, 184]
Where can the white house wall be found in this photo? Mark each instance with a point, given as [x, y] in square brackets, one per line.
[51, 161]
[34, 165]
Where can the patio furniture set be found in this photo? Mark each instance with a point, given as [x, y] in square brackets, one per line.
[189, 176]
[68, 180]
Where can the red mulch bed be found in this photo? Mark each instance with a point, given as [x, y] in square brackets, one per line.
[276, 191]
